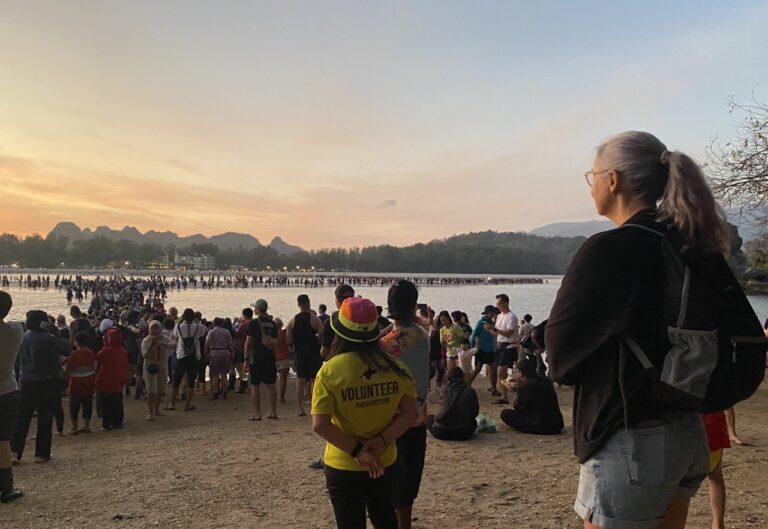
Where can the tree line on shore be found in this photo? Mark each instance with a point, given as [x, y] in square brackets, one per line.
[485, 252]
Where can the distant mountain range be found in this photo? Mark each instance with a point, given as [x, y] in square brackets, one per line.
[225, 241]
[749, 227]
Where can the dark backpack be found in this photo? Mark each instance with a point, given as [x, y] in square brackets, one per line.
[188, 343]
[717, 347]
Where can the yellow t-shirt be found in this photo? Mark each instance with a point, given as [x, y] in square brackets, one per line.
[361, 402]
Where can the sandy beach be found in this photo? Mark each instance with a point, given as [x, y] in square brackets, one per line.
[213, 468]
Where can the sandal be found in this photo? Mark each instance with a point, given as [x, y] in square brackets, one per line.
[272, 417]
[84, 430]
[189, 408]
[170, 407]
[500, 401]
[254, 418]
[301, 413]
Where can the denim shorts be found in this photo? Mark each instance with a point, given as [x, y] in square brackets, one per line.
[633, 478]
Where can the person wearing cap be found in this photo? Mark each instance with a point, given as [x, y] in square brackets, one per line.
[482, 339]
[155, 348]
[536, 408]
[260, 364]
[11, 335]
[363, 401]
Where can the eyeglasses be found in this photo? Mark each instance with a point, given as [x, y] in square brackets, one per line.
[589, 176]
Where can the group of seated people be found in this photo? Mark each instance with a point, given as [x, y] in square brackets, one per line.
[535, 410]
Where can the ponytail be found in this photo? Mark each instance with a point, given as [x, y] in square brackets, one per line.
[674, 183]
[688, 203]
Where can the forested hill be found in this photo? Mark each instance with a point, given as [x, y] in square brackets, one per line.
[476, 253]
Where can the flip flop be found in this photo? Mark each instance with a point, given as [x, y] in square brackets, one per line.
[272, 417]
[170, 408]
[189, 408]
[254, 418]
[500, 401]
[301, 413]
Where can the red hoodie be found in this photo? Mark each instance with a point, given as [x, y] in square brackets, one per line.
[81, 370]
[113, 364]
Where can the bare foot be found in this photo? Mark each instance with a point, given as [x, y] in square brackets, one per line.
[735, 439]
[150, 418]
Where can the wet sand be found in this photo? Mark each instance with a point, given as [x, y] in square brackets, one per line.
[213, 468]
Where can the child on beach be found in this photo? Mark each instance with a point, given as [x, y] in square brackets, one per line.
[451, 335]
[465, 358]
[81, 372]
[282, 360]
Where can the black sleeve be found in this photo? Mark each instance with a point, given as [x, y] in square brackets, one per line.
[592, 306]
[327, 337]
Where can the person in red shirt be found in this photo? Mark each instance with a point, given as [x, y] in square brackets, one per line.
[111, 378]
[81, 373]
[718, 439]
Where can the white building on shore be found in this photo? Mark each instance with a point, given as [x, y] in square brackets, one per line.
[197, 261]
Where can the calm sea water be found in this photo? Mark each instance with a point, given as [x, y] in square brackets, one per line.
[531, 299]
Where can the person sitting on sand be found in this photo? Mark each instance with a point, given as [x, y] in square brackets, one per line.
[81, 374]
[457, 419]
[536, 408]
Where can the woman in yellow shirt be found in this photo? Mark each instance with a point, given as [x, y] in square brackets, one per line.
[363, 400]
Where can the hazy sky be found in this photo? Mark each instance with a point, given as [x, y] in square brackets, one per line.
[349, 123]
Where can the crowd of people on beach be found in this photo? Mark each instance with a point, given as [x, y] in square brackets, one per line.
[372, 380]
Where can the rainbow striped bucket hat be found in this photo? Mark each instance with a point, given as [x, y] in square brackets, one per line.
[356, 320]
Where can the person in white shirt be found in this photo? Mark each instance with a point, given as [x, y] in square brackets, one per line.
[506, 330]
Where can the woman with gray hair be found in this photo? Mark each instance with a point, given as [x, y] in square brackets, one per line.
[641, 460]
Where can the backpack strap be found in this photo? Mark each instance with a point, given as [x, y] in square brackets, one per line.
[686, 278]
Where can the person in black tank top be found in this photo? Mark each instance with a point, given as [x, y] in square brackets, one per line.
[303, 334]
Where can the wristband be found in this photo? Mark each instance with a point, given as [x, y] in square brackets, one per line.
[357, 449]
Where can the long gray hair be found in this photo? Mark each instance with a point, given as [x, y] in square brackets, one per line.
[673, 182]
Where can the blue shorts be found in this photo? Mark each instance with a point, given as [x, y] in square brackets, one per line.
[631, 481]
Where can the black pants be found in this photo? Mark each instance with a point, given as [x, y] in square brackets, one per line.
[84, 403]
[185, 366]
[111, 410]
[525, 424]
[411, 449]
[43, 396]
[352, 493]
[450, 434]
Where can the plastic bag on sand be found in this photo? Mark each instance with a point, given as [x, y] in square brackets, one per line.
[485, 424]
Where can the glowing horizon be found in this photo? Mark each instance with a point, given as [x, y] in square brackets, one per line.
[348, 123]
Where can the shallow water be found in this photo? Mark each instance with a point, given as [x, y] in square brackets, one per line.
[533, 299]
[524, 299]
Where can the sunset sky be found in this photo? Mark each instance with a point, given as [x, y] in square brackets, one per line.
[350, 123]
